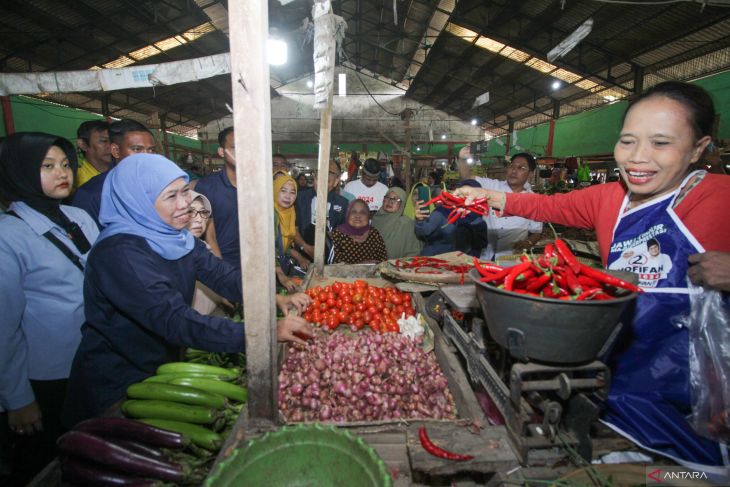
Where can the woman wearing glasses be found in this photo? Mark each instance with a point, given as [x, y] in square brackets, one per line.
[398, 231]
[204, 299]
[139, 283]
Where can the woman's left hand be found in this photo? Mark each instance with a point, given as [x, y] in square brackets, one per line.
[711, 269]
[298, 301]
[293, 329]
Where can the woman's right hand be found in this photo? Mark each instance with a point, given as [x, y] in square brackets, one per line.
[27, 420]
[292, 328]
[421, 211]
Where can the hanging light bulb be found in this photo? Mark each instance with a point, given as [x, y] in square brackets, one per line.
[277, 51]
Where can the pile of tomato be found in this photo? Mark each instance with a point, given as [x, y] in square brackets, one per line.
[358, 304]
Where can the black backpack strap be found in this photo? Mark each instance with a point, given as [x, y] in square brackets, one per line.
[59, 245]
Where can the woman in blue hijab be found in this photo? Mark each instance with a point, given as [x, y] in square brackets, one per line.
[140, 280]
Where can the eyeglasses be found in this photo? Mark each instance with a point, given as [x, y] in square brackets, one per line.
[394, 200]
[204, 214]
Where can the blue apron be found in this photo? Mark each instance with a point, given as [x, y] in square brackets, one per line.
[649, 396]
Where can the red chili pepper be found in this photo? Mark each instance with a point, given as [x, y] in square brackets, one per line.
[559, 279]
[446, 196]
[526, 275]
[436, 199]
[566, 254]
[604, 278]
[588, 282]
[572, 281]
[549, 251]
[589, 294]
[486, 266]
[514, 272]
[436, 451]
[537, 284]
[453, 216]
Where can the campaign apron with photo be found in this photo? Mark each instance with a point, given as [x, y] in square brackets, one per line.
[649, 395]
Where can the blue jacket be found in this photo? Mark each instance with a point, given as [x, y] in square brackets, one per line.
[138, 316]
[41, 301]
[88, 196]
[468, 235]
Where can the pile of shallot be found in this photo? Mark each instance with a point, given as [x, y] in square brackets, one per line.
[363, 377]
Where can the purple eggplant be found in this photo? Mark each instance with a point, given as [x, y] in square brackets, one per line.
[138, 447]
[129, 429]
[79, 472]
[99, 450]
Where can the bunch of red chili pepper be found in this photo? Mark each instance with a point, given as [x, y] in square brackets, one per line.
[432, 265]
[557, 273]
[458, 206]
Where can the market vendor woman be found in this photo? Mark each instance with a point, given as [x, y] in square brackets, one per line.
[140, 279]
[660, 202]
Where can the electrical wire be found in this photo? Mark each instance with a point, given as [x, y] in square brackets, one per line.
[371, 96]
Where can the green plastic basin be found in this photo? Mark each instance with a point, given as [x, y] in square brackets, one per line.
[303, 455]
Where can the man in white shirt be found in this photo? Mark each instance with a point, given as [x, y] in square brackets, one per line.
[506, 235]
[368, 188]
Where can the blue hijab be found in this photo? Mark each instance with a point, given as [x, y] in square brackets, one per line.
[128, 204]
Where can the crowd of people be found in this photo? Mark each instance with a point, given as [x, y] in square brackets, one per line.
[97, 294]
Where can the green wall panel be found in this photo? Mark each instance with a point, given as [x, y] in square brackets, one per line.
[588, 133]
[296, 148]
[532, 140]
[719, 86]
[35, 115]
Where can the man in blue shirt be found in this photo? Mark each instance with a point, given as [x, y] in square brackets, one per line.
[127, 137]
[220, 189]
[306, 206]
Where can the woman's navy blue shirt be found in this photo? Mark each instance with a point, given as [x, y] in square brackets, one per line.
[138, 316]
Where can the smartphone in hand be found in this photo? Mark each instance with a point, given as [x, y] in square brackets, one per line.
[424, 194]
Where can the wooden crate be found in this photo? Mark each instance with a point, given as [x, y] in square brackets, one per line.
[397, 442]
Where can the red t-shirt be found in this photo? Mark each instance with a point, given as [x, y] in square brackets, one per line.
[703, 210]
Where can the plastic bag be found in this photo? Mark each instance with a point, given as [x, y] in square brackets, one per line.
[709, 363]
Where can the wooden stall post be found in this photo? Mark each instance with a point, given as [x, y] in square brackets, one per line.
[249, 26]
[325, 144]
[407, 155]
[163, 129]
[327, 29]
